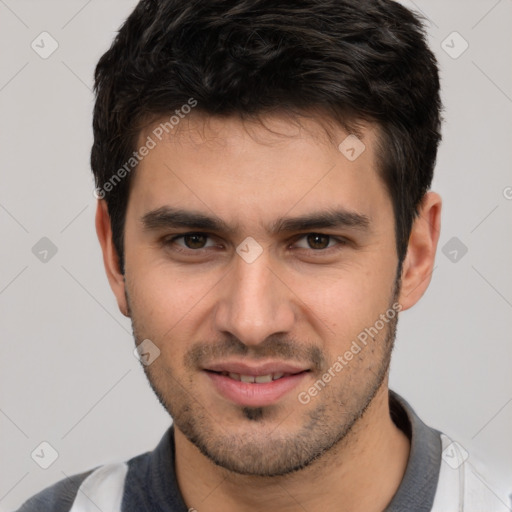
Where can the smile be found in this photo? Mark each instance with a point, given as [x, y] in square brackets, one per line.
[254, 387]
[258, 379]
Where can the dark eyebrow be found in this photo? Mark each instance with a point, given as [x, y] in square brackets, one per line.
[321, 220]
[167, 217]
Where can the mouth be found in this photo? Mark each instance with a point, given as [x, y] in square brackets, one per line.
[254, 386]
[254, 379]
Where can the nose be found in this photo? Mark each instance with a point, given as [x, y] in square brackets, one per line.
[255, 303]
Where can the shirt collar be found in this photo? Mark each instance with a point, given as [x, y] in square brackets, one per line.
[419, 484]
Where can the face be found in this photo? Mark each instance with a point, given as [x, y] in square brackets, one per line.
[261, 262]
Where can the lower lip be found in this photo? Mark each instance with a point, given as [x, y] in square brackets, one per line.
[254, 395]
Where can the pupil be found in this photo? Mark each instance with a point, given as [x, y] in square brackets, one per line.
[316, 241]
[195, 241]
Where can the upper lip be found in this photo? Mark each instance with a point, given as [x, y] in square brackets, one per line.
[254, 370]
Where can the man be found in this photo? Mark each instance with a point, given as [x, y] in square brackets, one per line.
[263, 174]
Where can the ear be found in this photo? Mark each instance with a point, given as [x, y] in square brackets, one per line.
[419, 261]
[110, 256]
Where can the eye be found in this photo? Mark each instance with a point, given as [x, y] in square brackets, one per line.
[196, 242]
[318, 241]
[192, 241]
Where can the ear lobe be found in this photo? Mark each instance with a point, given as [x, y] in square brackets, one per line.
[110, 256]
[419, 261]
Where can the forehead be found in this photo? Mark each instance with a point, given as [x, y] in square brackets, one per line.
[200, 131]
[258, 169]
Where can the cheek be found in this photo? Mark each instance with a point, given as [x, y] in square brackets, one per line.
[351, 300]
[165, 302]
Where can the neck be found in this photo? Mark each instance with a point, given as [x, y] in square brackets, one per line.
[361, 473]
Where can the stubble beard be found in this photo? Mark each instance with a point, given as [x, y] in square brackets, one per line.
[262, 449]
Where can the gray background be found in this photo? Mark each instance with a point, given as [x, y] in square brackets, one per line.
[68, 375]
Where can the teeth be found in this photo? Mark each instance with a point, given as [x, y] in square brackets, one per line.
[260, 379]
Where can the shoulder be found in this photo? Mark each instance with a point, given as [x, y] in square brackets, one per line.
[103, 487]
[115, 487]
[59, 497]
[465, 483]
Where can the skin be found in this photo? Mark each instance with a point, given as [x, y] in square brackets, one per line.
[294, 303]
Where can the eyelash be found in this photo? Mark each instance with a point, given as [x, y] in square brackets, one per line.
[167, 242]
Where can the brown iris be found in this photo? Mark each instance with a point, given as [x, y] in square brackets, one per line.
[318, 241]
[195, 241]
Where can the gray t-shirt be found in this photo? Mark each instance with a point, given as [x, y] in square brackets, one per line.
[149, 481]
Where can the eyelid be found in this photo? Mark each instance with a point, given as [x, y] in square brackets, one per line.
[332, 238]
[171, 239]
